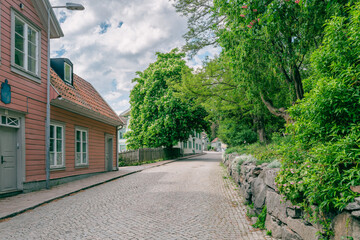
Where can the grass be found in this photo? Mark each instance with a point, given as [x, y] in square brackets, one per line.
[264, 153]
[125, 164]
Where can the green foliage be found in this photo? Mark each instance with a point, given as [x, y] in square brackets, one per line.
[243, 158]
[233, 133]
[262, 152]
[158, 116]
[123, 163]
[268, 233]
[274, 164]
[260, 223]
[321, 162]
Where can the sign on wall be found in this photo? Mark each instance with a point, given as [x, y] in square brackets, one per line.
[5, 92]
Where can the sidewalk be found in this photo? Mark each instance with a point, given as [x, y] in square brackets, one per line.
[12, 206]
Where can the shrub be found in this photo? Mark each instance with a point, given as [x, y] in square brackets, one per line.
[274, 164]
[321, 161]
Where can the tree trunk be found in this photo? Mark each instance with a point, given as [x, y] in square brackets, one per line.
[279, 112]
[260, 127]
[299, 90]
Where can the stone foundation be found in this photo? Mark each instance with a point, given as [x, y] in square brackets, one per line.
[286, 221]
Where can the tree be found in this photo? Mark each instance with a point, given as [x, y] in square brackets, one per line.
[158, 117]
[279, 34]
[226, 94]
[326, 131]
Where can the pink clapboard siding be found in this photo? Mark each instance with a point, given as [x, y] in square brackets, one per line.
[28, 96]
[96, 138]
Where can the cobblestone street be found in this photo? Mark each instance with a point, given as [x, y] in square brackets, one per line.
[188, 199]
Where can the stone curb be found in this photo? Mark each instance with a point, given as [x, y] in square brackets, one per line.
[7, 216]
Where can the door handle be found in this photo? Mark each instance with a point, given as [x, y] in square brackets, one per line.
[2, 159]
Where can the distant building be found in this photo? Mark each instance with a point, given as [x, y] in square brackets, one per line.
[125, 117]
[193, 145]
[216, 144]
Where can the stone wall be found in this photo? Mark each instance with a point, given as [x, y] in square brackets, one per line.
[286, 221]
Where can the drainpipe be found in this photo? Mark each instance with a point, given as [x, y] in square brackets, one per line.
[117, 147]
[47, 123]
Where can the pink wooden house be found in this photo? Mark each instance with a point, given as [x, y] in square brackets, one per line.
[83, 127]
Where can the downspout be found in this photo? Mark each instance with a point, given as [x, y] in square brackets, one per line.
[47, 123]
[117, 147]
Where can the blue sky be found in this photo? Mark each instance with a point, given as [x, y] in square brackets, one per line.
[112, 39]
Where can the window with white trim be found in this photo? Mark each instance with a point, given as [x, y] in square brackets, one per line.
[25, 53]
[56, 146]
[81, 147]
[9, 121]
[67, 73]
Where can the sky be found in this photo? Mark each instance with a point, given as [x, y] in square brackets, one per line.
[111, 40]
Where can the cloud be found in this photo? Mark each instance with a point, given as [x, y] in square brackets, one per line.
[110, 40]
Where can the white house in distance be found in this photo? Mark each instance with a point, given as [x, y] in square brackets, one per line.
[125, 117]
[205, 141]
[194, 144]
[216, 144]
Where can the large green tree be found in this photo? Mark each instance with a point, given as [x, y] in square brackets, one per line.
[158, 117]
[274, 36]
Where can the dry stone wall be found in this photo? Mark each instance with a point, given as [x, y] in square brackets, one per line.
[286, 221]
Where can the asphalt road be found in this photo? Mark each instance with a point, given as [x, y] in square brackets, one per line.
[187, 199]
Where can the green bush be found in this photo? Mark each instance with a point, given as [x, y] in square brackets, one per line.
[234, 133]
[321, 161]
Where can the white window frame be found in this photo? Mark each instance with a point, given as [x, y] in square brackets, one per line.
[9, 121]
[23, 70]
[83, 162]
[69, 81]
[55, 152]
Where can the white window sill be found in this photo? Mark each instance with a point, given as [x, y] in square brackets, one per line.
[23, 72]
[57, 168]
[82, 166]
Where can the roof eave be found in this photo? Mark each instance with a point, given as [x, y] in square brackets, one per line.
[78, 109]
[41, 7]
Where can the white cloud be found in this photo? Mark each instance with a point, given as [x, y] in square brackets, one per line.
[109, 60]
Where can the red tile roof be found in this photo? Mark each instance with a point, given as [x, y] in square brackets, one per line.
[83, 94]
[215, 140]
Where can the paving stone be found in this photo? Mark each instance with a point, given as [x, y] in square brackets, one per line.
[186, 199]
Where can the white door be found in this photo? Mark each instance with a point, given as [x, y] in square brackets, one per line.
[8, 159]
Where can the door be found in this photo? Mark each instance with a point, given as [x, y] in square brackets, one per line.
[8, 159]
[109, 153]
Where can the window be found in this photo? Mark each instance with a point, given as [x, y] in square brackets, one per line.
[197, 146]
[121, 133]
[189, 144]
[25, 53]
[81, 151]
[56, 146]
[67, 73]
[122, 148]
[9, 121]
[185, 144]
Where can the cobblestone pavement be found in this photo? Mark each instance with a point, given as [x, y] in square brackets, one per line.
[189, 199]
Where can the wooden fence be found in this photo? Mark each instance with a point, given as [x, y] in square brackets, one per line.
[148, 154]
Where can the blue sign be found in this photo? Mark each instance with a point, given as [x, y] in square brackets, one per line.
[5, 92]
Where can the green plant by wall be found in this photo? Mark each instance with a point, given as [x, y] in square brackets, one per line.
[260, 223]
